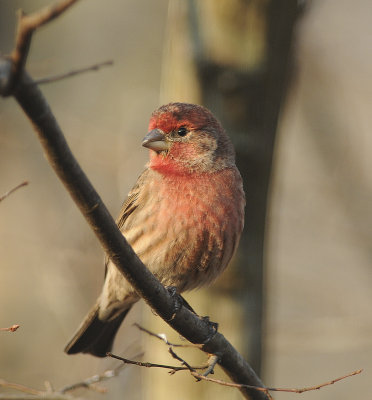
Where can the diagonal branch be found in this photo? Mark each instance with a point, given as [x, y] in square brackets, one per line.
[193, 328]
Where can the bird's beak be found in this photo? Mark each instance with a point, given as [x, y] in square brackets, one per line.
[155, 140]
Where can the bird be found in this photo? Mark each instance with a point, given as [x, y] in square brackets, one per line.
[183, 217]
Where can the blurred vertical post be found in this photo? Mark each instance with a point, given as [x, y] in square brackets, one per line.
[234, 56]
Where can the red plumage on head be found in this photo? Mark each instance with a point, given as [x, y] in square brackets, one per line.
[205, 149]
[174, 115]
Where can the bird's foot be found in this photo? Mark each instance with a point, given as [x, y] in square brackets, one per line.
[213, 325]
[213, 328]
[179, 301]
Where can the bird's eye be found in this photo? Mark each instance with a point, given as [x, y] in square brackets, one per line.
[182, 131]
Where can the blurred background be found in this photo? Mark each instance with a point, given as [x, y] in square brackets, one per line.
[291, 82]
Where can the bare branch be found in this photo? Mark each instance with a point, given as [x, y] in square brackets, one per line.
[49, 393]
[261, 389]
[4, 196]
[12, 328]
[27, 24]
[172, 368]
[163, 338]
[42, 396]
[19, 387]
[214, 359]
[316, 387]
[231, 384]
[55, 78]
[90, 383]
[183, 362]
[288, 390]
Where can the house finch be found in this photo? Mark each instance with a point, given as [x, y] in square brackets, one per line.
[183, 217]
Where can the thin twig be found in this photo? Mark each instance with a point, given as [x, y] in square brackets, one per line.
[42, 396]
[231, 384]
[90, 383]
[172, 368]
[317, 387]
[27, 24]
[13, 190]
[177, 357]
[163, 338]
[273, 389]
[213, 360]
[55, 78]
[192, 370]
[200, 377]
[19, 387]
[12, 328]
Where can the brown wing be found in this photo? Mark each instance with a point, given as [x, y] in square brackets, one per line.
[129, 205]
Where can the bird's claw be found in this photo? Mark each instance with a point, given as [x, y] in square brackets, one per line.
[172, 290]
[213, 328]
[177, 299]
[213, 325]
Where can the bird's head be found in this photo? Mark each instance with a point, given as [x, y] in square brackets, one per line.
[186, 138]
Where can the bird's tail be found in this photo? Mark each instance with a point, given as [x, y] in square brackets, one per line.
[95, 336]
